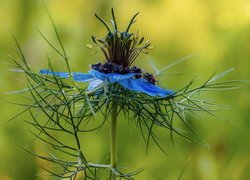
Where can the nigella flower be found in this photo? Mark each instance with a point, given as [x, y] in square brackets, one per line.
[129, 81]
[114, 87]
[120, 50]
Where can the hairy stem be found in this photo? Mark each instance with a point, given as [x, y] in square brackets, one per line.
[113, 145]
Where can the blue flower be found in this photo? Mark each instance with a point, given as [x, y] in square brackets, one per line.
[96, 79]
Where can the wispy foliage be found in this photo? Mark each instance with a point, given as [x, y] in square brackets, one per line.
[58, 106]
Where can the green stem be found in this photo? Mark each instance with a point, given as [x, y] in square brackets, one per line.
[113, 145]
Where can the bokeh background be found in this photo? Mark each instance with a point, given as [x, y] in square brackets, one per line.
[217, 32]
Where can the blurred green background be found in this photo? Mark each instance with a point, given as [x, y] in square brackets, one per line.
[217, 31]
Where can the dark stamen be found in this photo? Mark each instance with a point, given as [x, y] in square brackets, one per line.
[106, 25]
[113, 15]
[110, 67]
[121, 47]
[131, 22]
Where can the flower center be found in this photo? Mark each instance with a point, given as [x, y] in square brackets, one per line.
[110, 67]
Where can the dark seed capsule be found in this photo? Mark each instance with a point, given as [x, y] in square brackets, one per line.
[116, 68]
[124, 70]
[105, 70]
[138, 76]
[152, 80]
[146, 75]
[96, 66]
[135, 69]
[149, 77]
[109, 67]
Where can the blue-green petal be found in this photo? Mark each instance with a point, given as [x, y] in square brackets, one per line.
[111, 77]
[94, 84]
[82, 77]
[125, 80]
[143, 86]
[57, 74]
[79, 77]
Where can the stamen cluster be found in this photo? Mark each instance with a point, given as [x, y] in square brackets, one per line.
[109, 67]
[121, 47]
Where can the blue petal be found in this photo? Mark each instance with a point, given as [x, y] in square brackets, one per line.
[115, 77]
[94, 84]
[57, 74]
[143, 86]
[111, 77]
[81, 77]
[97, 74]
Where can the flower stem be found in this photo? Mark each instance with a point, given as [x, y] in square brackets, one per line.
[113, 145]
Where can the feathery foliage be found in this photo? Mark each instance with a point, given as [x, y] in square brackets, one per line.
[58, 106]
